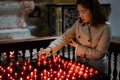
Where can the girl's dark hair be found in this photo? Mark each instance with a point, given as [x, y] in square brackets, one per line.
[97, 15]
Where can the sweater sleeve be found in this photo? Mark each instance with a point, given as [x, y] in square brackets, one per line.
[63, 39]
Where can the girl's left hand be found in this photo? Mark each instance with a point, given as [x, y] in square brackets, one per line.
[72, 43]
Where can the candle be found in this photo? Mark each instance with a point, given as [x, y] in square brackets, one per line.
[85, 75]
[25, 63]
[0, 77]
[54, 60]
[16, 74]
[70, 71]
[41, 75]
[43, 57]
[49, 62]
[44, 63]
[48, 74]
[59, 66]
[11, 64]
[28, 61]
[91, 70]
[68, 76]
[91, 74]
[38, 63]
[11, 70]
[30, 67]
[96, 72]
[35, 76]
[80, 73]
[63, 61]
[59, 60]
[28, 78]
[35, 70]
[21, 78]
[73, 78]
[58, 75]
[24, 68]
[31, 74]
[17, 63]
[22, 73]
[45, 78]
[8, 75]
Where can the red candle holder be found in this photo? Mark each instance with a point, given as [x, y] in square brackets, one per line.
[55, 68]
[30, 67]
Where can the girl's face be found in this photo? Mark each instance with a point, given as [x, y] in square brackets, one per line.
[84, 14]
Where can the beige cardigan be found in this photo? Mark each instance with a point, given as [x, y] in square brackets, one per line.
[94, 48]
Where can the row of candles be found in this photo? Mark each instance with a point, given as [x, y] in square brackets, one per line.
[54, 68]
[11, 54]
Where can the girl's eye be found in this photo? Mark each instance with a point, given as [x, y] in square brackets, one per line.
[83, 12]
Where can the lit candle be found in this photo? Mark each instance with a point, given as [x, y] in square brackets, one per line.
[80, 73]
[11, 64]
[68, 76]
[91, 70]
[73, 78]
[70, 72]
[28, 78]
[4, 54]
[55, 78]
[41, 75]
[35, 76]
[16, 74]
[4, 71]
[35, 70]
[43, 57]
[45, 72]
[28, 61]
[59, 60]
[76, 70]
[91, 74]
[11, 70]
[30, 67]
[58, 56]
[24, 68]
[31, 74]
[85, 75]
[51, 75]
[44, 63]
[45, 78]
[17, 63]
[8, 68]
[25, 63]
[59, 66]
[38, 63]
[54, 60]
[11, 78]
[58, 75]
[49, 61]
[48, 74]
[22, 73]
[63, 61]
[8, 75]
[96, 72]
[0, 77]
[21, 78]
[51, 71]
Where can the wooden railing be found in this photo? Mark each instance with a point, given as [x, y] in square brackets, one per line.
[19, 50]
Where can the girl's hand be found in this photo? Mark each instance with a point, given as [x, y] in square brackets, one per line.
[45, 52]
[73, 43]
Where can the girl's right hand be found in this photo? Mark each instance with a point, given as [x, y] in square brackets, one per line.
[45, 52]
